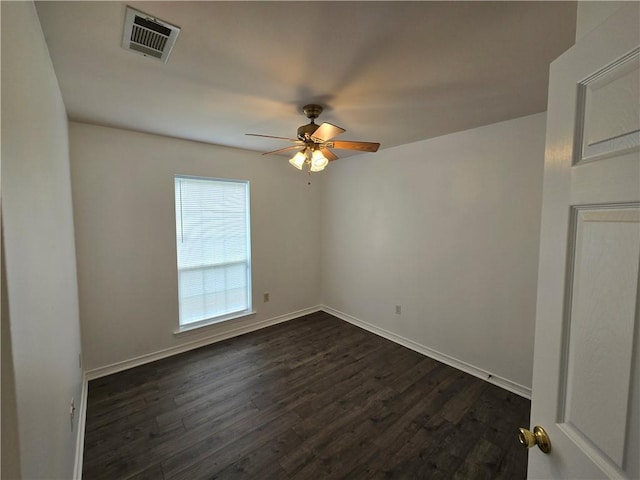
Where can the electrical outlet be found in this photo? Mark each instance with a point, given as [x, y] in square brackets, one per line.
[398, 309]
[265, 297]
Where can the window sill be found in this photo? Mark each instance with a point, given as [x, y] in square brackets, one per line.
[192, 327]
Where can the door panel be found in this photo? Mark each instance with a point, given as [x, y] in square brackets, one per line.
[608, 109]
[600, 328]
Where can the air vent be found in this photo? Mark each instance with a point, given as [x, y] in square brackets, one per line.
[148, 36]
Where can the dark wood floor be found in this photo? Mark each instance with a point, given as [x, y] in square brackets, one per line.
[313, 398]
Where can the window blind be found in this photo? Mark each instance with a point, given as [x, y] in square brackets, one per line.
[213, 247]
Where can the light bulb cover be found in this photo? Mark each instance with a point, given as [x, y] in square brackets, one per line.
[318, 161]
[298, 160]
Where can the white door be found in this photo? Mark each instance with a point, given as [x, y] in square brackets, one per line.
[587, 353]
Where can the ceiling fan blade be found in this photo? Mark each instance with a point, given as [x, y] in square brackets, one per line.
[271, 136]
[348, 145]
[326, 131]
[328, 154]
[282, 150]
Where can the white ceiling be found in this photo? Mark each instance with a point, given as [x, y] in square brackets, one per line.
[391, 72]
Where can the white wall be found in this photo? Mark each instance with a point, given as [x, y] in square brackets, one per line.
[590, 14]
[448, 228]
[39, 246]
[123, 193]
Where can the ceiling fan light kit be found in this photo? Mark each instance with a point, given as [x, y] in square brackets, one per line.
[318, 161]
[315, 142]
[315, 160]
[298, 160]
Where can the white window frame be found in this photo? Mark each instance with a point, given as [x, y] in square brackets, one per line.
[209, 320]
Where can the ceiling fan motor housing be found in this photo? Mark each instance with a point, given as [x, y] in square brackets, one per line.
[312, 111]
[305, 131]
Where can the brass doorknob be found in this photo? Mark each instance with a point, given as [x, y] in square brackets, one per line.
[538, 437]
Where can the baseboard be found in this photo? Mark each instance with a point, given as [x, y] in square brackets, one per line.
[429, 352]
[82, 416]
[200, 342]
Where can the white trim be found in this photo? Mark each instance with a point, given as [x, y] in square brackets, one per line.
[429, 352]
[201, 342]
[190, 327]
[82, 416]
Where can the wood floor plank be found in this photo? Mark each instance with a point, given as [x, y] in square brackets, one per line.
[261, 462]
[192, 453]
[481, 463]
[219, 459]
[312, 398]
[154, 472]
[297, 459]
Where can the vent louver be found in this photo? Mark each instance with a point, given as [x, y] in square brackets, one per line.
[147, 35]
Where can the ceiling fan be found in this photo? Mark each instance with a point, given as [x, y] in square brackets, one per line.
[314, 141]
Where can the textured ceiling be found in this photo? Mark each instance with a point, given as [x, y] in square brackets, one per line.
[391, 72]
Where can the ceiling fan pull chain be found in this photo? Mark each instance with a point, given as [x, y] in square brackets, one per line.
[309, 180]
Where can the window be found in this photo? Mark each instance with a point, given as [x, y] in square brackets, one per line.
[214, 249]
